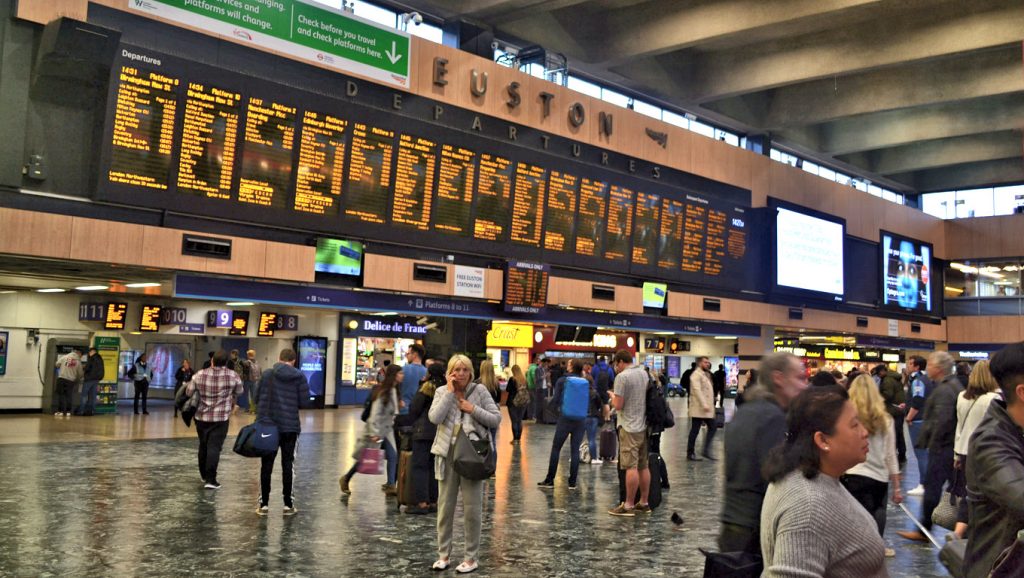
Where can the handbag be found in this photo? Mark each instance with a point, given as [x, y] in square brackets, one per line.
[371, 461]
[945, 513]
[258, 439]
[473, 459]
[731, 564]
[952, 556]
[522, 397]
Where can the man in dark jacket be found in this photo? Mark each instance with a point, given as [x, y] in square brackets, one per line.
[718, 382]
[995, 468]
[758, 426]
[895, 403]
[937, 435]
[281, 389]
[90, 382]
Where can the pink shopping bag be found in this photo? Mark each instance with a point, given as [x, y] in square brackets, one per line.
[371, 461]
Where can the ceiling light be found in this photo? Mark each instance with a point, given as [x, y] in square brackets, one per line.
[725, 337]
[240, 303]
[135, 333]
[954, 289]
[92, 288]
[53, 290]
[141, 285]
[7, 291]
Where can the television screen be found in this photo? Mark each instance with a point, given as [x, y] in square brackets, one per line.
[165, 359]
[906, 274]
[565, 333]
[673, 368]
[585, 334]
[808, 252]
[655, 295]
[312, 354]
[339, 257]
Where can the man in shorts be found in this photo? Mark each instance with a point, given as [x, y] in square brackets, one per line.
[630, 401]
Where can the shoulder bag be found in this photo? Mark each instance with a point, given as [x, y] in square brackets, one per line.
[260, 438]
[473, 459]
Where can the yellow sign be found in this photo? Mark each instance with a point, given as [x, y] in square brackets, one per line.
[510, 335]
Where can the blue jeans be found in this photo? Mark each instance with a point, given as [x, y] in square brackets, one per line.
[920, 454]
[591, 424]
[563, 429]
[88, 401]
[390, 454]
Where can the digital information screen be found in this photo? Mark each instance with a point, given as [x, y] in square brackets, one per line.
[694, 227]
[149, 320]
[528, 207]
[239, 323]
[526, 287]
[208, 141]
[590, 221]
[369, 175]
[655, 294]
[646, 228]
[620, 223]
[906, 274]
[561, 211]
[143, 131]
[809, 252]
[454, 191]
[339, 257]
[670, 239]
[115, 314]
[267, 325]
[414, 182]
[321, 163]
[267, 153]
[493, 198]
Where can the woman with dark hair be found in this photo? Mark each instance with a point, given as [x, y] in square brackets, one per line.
[380, 428]
[423, 432]
[810, 524]
[823, 378]
[516, 412]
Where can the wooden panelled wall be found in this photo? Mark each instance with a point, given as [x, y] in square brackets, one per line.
[79, 239]
[985, 329]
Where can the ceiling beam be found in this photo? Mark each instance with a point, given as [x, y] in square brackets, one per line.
[939, 153]
[966, 176]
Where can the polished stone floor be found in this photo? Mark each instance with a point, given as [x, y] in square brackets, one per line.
[120, 496]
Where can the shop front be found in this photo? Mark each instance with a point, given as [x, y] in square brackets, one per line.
[509, 344]
[565, 342]
[843, 359]
[369, 344]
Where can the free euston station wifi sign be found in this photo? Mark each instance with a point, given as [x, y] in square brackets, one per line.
[294, 27]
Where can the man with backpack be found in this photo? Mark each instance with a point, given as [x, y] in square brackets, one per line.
[702, 408]
[572, 398]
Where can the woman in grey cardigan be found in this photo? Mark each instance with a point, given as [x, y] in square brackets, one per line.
[459, 404]
[380, 428]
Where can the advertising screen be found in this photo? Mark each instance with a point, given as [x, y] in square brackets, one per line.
[312, 353]
[655, 295]
[906, 274]
[339, 257]
[673, 367]
[165, 359]
[808, 251]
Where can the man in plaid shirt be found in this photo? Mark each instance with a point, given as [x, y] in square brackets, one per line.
[218, 387]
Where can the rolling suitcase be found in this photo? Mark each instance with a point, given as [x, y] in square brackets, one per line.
[654, 464]
[608, 445]
[719, 417]
[405, 484]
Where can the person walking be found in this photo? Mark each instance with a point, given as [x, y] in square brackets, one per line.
[218, 388]
[895, 399]
[629, 399]
[920, 387]
[69, 373]
[459, 405]
[813, 526]
[702, 409]
[423, 433]
[869, 482]
[142, 374]
[572, 398]
[181, 377]
[971, 408]
[282, 388]
[251, 375]
[92, 376]
[517, 413]
[490, 381]
[380, 428]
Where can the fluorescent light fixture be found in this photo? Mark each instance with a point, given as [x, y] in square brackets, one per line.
[954, 289]
[7, 291]
[135, 333]
[92, 288]
[240, 303]
[664, 333]
[53, 290]
[380, 313]
[141, 285]
[725, 337]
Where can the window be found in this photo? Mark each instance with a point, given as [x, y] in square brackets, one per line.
[827, 173]
[1006, 199]
[974, 203]
[701, 128]
[842, 179]
[729, 138]
[873, 190]
[615, 98]
[860, 185]
[584, 87]
[810, 167]
[428, 32]
[375, 13]
[938, 204]
[680, 121]
[647, 109]
[890, 196]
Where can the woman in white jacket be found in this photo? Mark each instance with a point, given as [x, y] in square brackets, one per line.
[459, 404]
[868, 482]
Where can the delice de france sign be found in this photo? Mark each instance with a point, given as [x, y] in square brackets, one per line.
[299, 28]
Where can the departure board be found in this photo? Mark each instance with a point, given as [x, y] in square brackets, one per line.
[115, 314]
[590, 221]
[714, 246]
[414, 182]
[143, 133]
[269, 139]
[321, 163]
[267, 325]
[620, 223]
[239, 323]
[149, 319]
[645, 228]
[737, 240]
[561, 211]
[670, 238]
[208, 140]
[694, 229]
[369, 173]
[526, 287]
[528, 206]
[493, 198]
[454, 190]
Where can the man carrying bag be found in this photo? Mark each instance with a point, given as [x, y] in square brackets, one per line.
[280, 389]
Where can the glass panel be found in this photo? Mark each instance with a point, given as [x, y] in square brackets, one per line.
[1007, 199]
[861, 186]
[701, 128]
[960, 280]
[890, 196]
[614, 97]
[874, 190]
[974, 203]
[683, 122]
[938, 204]
[775, 155]
[427, 31]
[647, 109]
[375, 13]
[842, 179]
[336, 4]
[729, 138]
[826, 173]
[584, 87]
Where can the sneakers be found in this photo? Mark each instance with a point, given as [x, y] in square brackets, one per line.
[573, 486]
[596, 461]
[643, 509]
[693, 458]
[621, 510]
[918, 491]
[290, 510]
[262, 510]
[890, 553]
[466, 567]
[212, 485]
[546, 485]
[58, 414]
[343, 482]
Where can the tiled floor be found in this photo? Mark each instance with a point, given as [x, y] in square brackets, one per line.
[120, 496]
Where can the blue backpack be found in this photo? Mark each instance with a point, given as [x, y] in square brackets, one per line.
[576, 398]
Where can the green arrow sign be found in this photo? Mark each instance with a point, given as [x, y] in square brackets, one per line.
[301, 29]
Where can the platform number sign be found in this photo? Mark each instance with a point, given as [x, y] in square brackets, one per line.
[92, 311]
[173, 316]
[218, 318]
[287, 322]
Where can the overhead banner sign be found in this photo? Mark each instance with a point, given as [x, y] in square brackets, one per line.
[301, 29]
[469, 282]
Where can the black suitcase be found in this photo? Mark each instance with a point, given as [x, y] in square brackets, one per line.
[608, 446]
[654, 464]
[719, 417]
[549, 415]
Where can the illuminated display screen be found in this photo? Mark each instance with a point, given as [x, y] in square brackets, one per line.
[561, 211]
[208, 141]
[414, 182]
[143, 128]
[239, 323]
[454, 191]
[670, 239]
[655, 294]
[526, 287]
[115, 314]
[808, 251]
[620, 223]
[528, 207]
[339, 257]
[493, 200]
[149, 320]
[268, 323]
[369, 175]
[646, 228]
[321, 163]
[906, 274]
[590, 220]
[267, 153]
[694, 228]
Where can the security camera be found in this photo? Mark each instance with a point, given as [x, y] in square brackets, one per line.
[494, 45]
[414, 17]
[417, 18]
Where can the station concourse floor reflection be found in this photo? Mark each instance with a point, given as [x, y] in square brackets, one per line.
[121, 496]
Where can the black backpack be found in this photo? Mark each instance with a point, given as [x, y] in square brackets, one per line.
[659, 415]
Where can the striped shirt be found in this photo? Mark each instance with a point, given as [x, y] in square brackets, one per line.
[218, 387]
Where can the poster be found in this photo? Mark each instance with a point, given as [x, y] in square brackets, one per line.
[4, 338]
[164, 359]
